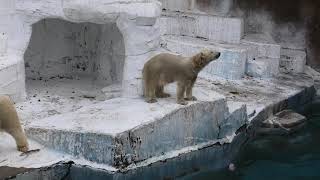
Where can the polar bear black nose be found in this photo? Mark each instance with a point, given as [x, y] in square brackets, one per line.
[218, 55]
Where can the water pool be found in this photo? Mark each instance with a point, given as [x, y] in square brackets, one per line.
[295, 156]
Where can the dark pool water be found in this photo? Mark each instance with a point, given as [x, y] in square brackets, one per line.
[295, 156]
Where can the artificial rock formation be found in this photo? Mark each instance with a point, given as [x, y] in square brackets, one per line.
[65, 54]
[134, 19]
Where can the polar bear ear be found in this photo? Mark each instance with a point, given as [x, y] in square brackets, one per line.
[197, 60]
[204, 58]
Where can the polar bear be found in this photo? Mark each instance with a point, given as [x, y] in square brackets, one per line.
[10, 123]
[166, 68]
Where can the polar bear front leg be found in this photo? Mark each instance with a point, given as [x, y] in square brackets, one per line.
[10, 123]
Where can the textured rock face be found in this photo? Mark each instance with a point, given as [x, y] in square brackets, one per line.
[292, 29]
[187, 31]
[293, 60]
[3, 43]
[219, 29]
[267, 47]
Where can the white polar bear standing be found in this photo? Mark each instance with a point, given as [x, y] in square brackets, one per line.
[10, 123]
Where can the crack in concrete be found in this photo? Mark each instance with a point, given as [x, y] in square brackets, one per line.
[66, 176]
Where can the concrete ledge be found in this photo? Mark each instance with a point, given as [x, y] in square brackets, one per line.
[218, 8]
[220, 29]
[12, 78]
[267, 47]
[117, 133]
[263, 99]
[263, 67]
[293, 60]
[10, 157]
[93, 11]
[212, 157]
[179, 164]
[56, 171]
[8, 72]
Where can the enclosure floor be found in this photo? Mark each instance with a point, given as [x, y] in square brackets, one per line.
[56, 96]
[129, 114]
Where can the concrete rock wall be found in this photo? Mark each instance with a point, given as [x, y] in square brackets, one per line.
[293, 24]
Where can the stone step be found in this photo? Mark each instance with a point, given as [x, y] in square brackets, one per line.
[219, 8]
[14, 89]
[293, 60]
[177, 5]
[267, 47]
[219, 29]
[12, 79]
[263, 67]
[117, 133]
[230, 65]
[8, 72]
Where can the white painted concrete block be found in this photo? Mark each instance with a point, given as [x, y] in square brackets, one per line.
[230, 65]
[122, 130]
[97, 10]
[3, 43]
[220, 29]
[267, 47]
[6, 7]
[293, 60]
[263, 67]
[177, 5]
[213, 7]
[253, 51]
[14, 89]
[12, 78]
[8, 75]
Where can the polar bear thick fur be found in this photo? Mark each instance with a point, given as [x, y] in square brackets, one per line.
[10, 123]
